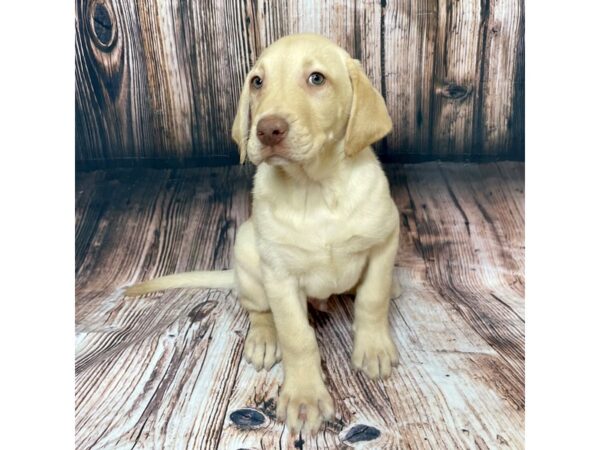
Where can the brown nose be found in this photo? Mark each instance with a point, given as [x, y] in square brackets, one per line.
[271, 130]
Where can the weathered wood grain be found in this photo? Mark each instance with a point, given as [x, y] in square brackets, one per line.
[166, 371]
[158, 81]
[165, 88]
[469, 261]
[502, 78]
[409, 44]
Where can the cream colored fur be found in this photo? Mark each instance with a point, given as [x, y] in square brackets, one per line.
[323, 221]
[213, 279]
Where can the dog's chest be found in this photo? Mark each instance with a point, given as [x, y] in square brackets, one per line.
[318, 239]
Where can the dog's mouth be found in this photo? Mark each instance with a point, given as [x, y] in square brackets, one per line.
[276, 155]
[296, 147]
[277, 160]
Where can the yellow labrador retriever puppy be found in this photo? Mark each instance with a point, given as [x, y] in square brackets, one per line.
[323, 221]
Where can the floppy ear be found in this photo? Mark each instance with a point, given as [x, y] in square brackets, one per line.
[241, 123]
[369, 119]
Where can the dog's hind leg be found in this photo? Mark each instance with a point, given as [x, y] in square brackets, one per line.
[261, 348]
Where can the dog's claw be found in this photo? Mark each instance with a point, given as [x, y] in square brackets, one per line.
[374, 353]
[304, 407]
[261, 348]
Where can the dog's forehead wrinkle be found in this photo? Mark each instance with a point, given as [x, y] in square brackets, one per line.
[309, 62]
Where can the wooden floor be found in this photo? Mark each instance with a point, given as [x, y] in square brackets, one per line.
[166, 371]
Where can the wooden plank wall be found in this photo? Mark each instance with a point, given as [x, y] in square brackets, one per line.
[157, 81]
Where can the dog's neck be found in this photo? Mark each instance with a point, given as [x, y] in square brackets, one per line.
[323, 170]
[326, 174]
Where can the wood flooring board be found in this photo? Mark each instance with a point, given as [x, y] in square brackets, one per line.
[498, 236]
[126, 209]
[165, 370]
[173, 362]
[460, 247]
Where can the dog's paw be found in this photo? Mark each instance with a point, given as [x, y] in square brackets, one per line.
[261, 348]
[374, 353]
[304, 406]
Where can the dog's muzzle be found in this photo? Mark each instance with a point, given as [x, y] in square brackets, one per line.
[271, 130]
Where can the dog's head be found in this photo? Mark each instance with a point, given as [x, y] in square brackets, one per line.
[303, 96]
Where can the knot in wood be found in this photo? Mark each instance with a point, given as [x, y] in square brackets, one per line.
[247, 418]
[455, 91]
[102, 25]
[360, 433]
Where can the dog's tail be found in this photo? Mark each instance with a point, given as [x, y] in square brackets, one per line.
[200, 279]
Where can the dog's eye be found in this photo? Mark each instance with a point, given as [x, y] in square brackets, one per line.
[316, 79]
[256, 82]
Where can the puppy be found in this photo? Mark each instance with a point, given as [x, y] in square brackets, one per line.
[323, 221]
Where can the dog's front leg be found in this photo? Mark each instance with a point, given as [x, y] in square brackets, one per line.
[303, 397]
[374, 351]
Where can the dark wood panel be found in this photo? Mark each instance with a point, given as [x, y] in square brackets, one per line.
[159, 80]
[501, 113]
[166, 85]
[166, 370]
[409, 30]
